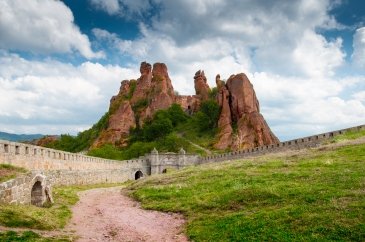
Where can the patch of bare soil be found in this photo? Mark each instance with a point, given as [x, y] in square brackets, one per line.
[106, 214]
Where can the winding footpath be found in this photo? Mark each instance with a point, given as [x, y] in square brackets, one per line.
[106, 214]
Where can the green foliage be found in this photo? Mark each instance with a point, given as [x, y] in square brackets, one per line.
[164, 124]
[172, 143]
[157, 78]
[158, 128]
[312, 196]
[213, 93]
[132, 88]
[138, 149]
[108, 151]
[29, 236]
[134, 150]
[8, 172]
[176, 114]
[83, 140]
[207, 118]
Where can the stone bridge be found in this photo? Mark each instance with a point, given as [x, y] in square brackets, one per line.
[50, 167]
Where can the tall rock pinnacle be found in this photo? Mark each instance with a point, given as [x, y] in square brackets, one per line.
[252, 129]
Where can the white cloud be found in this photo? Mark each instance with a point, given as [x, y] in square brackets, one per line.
[110, 6]
[123, 8]
[303, 106]
[359, 48]
[41, 26]
[51, 93]
[276, 43]
[293, 68]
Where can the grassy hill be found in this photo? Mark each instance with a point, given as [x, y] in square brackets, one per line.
[309, 195]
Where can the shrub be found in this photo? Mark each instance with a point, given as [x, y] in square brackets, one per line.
[157, 128]
[176, 114]
[172, 143]
[108, 151]
[207, 117]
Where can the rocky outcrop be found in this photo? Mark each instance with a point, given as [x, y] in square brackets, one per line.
[225, 120]
[162, 92]
[201, 86]
[137, 100]
[190, 104]
[45, 141]
[120, 123]
[252, 129]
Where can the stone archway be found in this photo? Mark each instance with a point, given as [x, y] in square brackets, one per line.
[37, 194]
[138, 175]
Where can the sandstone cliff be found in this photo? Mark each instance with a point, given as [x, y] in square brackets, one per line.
[139, 99]
[239, 105]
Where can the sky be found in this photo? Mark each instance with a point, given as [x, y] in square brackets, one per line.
[62, 61]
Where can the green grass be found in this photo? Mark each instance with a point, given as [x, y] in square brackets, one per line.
[29, 236]
[54, 217]
[350, 135]
[315, 196]
[8, 172]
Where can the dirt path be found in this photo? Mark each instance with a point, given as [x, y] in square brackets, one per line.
[106, 214]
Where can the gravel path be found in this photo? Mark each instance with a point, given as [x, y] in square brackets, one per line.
[106, 214]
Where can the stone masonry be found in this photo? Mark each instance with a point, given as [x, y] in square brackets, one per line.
[50, 167]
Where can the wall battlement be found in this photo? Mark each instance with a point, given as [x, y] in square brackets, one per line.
[50, 167]
[295, 144]
[34, 157]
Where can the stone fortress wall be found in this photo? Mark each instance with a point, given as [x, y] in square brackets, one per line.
[53, 167]
[50, 167]
[295, 144]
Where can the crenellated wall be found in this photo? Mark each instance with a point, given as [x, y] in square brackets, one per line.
[53, 167]
[296, 144]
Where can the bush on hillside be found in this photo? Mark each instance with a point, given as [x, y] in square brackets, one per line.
[207, 118]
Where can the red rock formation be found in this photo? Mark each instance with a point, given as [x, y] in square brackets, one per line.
[120, 122]
[143, 83]
[162, 93]
[201, 86]
[139, 99]
[225, 121]
[189, 104]
[136, 101]
[252, 129]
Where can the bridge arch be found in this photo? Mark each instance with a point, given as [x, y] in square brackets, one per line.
[138, 175]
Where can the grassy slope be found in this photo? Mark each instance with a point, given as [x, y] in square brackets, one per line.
[8, 172]
[315, 195]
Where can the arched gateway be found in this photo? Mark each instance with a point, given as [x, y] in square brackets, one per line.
[138, 175]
